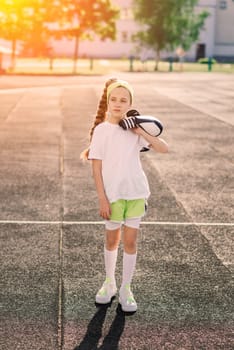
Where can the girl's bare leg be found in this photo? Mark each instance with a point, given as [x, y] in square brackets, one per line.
[113, 239]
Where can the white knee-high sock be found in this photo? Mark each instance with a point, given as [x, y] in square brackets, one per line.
[129, 264]
[110, 257]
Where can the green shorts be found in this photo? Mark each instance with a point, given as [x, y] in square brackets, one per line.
[126, 209]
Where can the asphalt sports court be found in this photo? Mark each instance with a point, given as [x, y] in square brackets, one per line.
[52, 237]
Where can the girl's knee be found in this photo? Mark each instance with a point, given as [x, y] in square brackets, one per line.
[130, 245]
[112, 239]
[130, 239]
[112, 245]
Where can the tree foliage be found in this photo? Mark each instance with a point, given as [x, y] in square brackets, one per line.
[168, 24]
[25, 21]
[82, 19]
[12, 15]
[34, 22]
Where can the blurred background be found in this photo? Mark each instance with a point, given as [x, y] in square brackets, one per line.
[95, 36]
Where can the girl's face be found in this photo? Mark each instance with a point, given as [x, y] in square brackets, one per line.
[118, 104]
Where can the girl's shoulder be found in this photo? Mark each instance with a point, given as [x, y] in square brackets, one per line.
[99, 128]
[104, 126]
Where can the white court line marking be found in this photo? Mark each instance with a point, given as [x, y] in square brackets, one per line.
[170, 223]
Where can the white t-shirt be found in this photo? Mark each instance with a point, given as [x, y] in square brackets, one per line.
[122, 172]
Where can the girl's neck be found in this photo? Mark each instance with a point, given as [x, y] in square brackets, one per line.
[112, 120]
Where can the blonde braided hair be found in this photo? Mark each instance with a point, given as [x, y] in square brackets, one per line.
[100, 115]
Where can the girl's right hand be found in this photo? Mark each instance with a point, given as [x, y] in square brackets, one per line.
[104, 208]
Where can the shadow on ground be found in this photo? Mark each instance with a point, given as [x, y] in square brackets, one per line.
[94, 330]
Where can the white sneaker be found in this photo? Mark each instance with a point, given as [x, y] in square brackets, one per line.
[107, 292]
[126, 299]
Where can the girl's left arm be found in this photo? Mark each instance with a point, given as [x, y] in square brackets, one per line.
[156, 143]
[104, 205]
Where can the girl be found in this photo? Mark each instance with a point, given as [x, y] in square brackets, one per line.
[121, 185]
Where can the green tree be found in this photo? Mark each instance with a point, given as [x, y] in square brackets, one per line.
[82, 19]
[12, 16]
[24, 21]
[167, 24]
[36, 40]
[34, 22]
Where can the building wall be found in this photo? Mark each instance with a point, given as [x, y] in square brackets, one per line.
[207, 34]
[224, 31]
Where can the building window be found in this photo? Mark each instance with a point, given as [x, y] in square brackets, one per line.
[222, 4]
[124, 37]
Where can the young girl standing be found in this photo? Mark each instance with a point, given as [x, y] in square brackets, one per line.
[121, 185]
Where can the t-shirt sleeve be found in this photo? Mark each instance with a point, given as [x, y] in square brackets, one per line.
[96, 145]
[143, 142]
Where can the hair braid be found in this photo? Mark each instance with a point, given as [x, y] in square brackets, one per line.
[100, 115]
